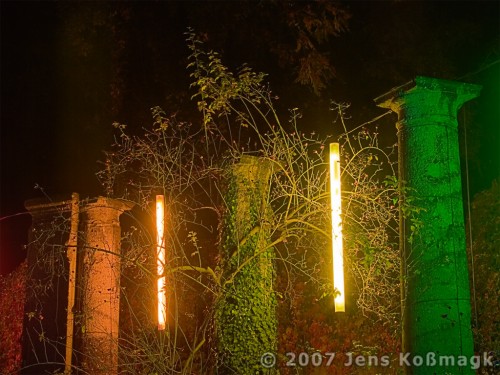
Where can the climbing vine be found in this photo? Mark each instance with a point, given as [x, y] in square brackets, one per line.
[246, 310]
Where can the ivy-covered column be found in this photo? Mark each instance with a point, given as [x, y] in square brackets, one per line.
[436, 300]
[246, 311]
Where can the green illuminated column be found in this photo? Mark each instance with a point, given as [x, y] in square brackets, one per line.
[246, 322]
[436, 301]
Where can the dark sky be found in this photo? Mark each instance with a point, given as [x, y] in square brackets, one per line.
[69, 69]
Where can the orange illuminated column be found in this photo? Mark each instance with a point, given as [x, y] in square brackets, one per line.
[100, 285]
[160, 252]
[337, 250]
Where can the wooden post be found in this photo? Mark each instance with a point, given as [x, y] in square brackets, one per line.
[72, 259]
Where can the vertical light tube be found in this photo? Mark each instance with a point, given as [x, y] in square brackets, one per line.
[160, 260]
[337, 249]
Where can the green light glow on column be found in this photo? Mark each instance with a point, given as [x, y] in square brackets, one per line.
[436, 300]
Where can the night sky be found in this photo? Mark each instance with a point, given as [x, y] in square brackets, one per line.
[69, 69]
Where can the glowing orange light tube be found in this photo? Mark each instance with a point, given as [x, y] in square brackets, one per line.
[160, 260]
[337, 249]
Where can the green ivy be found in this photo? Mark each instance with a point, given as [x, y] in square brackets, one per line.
[246, 312]
[409, 205]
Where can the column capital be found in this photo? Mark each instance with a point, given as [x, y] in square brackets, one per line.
[427, 99]
[102, 209]
[257, 167]
[43, 206]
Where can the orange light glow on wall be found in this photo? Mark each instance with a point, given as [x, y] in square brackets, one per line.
[337, 249]
[160, 260]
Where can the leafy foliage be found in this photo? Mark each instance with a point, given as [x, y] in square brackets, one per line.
[485, 262]
[246, 309]
[12, 298]
[314, 23]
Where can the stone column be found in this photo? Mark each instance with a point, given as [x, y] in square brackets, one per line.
[100, 284]
[246, 312]
[44, 326]
[436, 300]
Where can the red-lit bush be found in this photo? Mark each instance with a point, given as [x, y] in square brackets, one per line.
[12, 296]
